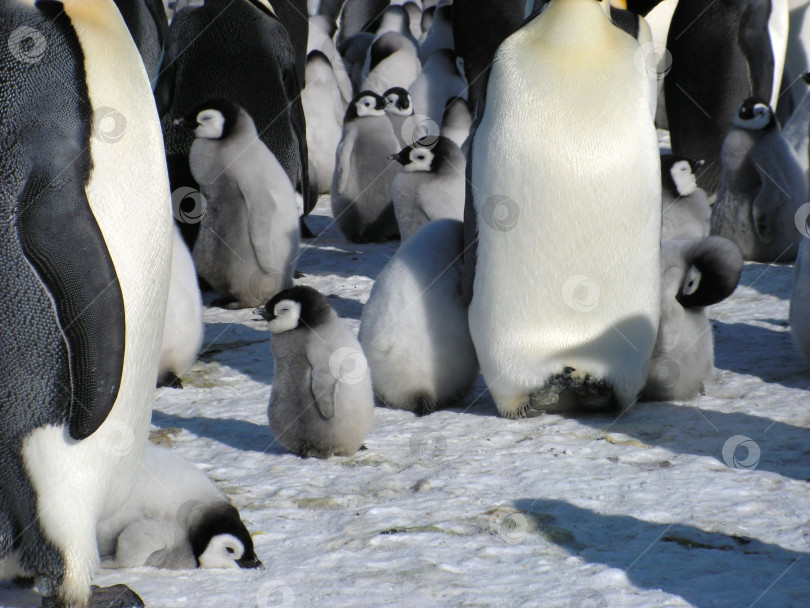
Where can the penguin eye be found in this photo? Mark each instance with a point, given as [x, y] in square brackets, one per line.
[230, 550]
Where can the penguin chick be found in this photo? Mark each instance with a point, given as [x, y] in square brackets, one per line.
[249, 235]
[686, 207]
[398, 108]
[321, 402]
[323, 108]
[364, 174]
[414, 328]
[183, 328]
[762, 187]
[175, 518]
[431, 185]
[392, 61]
[800, 301]
[694, 274]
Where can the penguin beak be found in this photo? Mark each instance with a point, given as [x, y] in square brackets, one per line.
[186, 123]
[263, 313]
[250, 562]
[622, 4]
[402, 157]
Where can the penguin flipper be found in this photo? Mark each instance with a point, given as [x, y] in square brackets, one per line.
[55, 217]
[323, 384]
[754, 41]
[769, 199]
[343, 166]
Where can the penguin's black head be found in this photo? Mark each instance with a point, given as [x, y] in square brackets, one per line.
[219, 539]
[398, 101]
[426, 154]
[298, 306]
[213, 119]
[714, 265]
[754, 114]
[365, 103]
[678, 175]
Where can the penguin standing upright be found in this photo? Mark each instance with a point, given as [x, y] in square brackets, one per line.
[85, 213]
[239, 50]
[574, 323]
[722, 53]
[399, 108]
[364, 173]
[248, 242]
[762, 188]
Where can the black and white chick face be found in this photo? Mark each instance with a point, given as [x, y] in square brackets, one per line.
[299, 306]
[366, 103]
[754, 114]
[219, 539]
[683, 177]
[414, 159]
[398, 101]
[214, 119]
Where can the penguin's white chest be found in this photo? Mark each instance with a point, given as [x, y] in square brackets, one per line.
[566, 185]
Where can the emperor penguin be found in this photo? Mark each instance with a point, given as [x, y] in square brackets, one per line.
[431, 185]
[567, 327]
[762, 188]
[205, 57]
[440, 34]
[175, 518]
[685, 206]
[457, 121]
[248, 242]
[183, 327]
[323, 108]
[83, 285]
[414, 330]
[321, 31]
[399, 108]
[146, 21]
[695, 273]
[442, 78]
[799, 317]
[391, 62]
[721, 54]
[358, 16]
[321, 402]
[364, 173]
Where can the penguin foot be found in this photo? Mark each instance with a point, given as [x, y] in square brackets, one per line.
[306, 233]
[593, 394]
[169, 380]
[298, 274]
[548, 397]
[117, 596]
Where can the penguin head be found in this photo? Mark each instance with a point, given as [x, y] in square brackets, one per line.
[219, 539]
[755, 115]
[299, 306]
[214, 119]
[428, 154]
[678, 175]
[365, 103]
[398, 101]
[707, 270]
[415, 158]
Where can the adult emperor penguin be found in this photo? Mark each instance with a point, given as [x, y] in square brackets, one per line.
[83, 286]
[175, 518]
[695, 273]
[566, 327]
[323, 108]
[146, 21]
[442, 78]
[391, 62]
[799, 317]
[248, 241]
[414, 329]
[685, 206]
[762, 188]
[205, 58]
[431, 185]
[364, 173]
[322, 403]
[183, 327]
[722, 53]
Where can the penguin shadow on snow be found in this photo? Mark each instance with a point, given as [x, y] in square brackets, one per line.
[688, 429]
[738, 348]
[704, 568]
[240, 347]
[238, 434]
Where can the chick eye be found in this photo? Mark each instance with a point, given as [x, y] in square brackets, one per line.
[230, 550]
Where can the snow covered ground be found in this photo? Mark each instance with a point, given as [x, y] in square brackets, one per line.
[463, 508]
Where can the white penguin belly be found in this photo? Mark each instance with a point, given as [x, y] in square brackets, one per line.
[569, 226]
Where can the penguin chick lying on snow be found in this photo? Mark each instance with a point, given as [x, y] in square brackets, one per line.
[175, 518]
[694, 274]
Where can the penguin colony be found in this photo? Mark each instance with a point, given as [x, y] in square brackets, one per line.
[510, 146]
